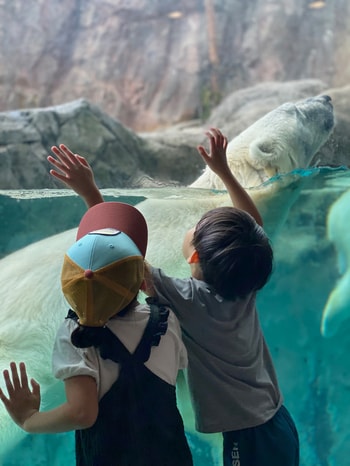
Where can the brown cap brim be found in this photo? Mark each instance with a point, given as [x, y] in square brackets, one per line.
[118, 215]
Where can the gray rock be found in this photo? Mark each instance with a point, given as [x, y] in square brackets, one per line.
[157, 63]
[118, 156]
[122, 158]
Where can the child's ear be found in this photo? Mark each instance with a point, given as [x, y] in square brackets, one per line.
[194, 258]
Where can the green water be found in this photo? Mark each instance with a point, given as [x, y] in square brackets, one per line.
[314, 371]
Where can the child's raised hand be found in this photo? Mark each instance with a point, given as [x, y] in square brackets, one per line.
[216, 158]
[22, 402]
[75, 171]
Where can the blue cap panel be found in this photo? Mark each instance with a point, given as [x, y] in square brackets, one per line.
[99, 249]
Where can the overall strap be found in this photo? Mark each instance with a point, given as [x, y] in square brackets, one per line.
[157, 326]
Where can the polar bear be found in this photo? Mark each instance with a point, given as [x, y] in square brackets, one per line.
[337, 308]
[284, 139]
[32, 302]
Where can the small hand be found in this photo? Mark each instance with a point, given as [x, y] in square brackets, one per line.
[76, 173]
[22, 402]
[216, 159]
[74, 170]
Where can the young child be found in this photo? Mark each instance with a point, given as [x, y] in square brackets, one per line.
[232, 380]
[119, 359]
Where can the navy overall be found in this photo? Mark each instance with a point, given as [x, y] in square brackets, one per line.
[138, 422]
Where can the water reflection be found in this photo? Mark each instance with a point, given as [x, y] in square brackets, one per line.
[313, 370]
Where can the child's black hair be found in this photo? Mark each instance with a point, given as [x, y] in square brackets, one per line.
[84, 336]
[234, 252]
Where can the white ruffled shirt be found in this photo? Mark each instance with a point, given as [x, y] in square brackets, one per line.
[165, 360]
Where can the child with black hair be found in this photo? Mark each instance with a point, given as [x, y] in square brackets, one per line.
[231, 376]
[119, 359]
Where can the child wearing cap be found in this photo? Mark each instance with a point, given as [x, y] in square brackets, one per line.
[119, 359]
[231, 375]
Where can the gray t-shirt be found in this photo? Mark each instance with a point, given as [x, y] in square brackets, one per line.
[231, 376]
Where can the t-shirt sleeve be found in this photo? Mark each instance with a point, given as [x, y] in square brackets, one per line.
[188, 298]
[69, 361]
[175, 292]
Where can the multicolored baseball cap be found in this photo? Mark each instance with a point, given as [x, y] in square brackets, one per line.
[103, 271]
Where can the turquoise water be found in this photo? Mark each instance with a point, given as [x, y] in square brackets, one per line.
[313, 368]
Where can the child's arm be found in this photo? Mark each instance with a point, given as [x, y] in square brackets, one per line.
[78, 412]
[217, 161]
[147, 286]
[76, 173]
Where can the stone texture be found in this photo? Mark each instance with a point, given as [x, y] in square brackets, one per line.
[122, 158]
[118, 156]
[151, 64]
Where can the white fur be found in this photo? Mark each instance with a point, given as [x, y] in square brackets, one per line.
[337, 308]
[32, 305]
[284, 139]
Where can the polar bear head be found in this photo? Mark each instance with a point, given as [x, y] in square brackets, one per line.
[284, 139]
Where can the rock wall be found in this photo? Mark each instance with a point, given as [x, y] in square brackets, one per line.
[154, 63]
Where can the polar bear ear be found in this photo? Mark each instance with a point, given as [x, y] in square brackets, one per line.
[266, 152]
